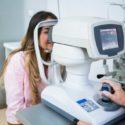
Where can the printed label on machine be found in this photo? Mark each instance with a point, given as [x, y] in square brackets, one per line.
[88, 105]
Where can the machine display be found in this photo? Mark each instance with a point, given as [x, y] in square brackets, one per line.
[109, 39]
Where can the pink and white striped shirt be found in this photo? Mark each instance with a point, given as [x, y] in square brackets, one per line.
[17, 87]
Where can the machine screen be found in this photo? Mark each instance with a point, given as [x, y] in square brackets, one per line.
[109, 38]
[87, 105]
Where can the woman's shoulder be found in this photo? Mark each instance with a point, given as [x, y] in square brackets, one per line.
[17, 57]
[15, 66]
[17, 60]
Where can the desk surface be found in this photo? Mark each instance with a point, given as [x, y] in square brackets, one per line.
[11, 45]
[42, 115]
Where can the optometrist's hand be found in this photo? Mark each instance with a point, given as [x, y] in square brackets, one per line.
[119, 94]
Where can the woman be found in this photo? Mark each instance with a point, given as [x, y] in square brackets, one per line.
[118, 96]
[23, 84]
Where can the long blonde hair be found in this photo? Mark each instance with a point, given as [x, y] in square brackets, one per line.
[27, 46]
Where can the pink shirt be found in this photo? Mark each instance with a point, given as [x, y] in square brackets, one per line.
[17, 87]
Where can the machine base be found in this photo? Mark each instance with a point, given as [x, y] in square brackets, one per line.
[110, 106]
[72, 119]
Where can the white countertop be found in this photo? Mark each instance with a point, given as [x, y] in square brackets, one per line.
[11, 45]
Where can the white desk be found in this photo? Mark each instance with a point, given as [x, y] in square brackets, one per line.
[10, 46]
[42, 115]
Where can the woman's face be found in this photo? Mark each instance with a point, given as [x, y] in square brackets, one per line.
[43, 38]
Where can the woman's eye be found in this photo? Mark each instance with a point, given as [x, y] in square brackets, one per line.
[46, 32]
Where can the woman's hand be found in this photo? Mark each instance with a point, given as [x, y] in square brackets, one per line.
[119, 94]
[82, 123]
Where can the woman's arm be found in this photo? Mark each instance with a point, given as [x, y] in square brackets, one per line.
[14, 78]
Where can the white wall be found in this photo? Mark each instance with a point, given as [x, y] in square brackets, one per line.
[11, 23]
[31, 7]
[14, 19]
[15, 16]
[11, 20]
[85, 8]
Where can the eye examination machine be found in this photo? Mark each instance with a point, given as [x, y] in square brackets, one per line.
[77, 42]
